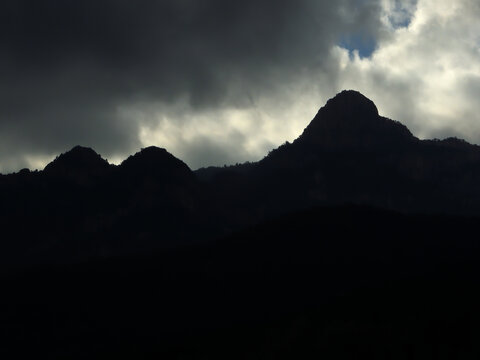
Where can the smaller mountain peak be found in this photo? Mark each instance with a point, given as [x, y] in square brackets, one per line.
[151, 155]
[82, 149]
[78, 160]
[80, 152]
[154, 160]
[154, 151]
[78, 156]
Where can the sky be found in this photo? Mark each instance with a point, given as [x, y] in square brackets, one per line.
[219, 82]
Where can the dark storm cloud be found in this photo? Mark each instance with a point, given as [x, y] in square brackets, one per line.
[68, 66]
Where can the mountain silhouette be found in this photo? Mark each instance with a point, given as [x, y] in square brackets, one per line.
[351, 120]
[348, 154]
[78, 162]
[157, 163]
[78, 157]
[354, 241]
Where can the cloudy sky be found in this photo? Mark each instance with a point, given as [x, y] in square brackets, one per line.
[217, 81]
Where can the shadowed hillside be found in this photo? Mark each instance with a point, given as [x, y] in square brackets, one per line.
[345, 283]
[81, 207]
[350, 154]
[357, 240]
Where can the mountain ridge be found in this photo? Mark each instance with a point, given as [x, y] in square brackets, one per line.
[153, 199]
[355, 249]
[348, 111]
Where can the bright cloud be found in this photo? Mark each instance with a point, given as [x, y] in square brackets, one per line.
[231, 91]
[426, 74]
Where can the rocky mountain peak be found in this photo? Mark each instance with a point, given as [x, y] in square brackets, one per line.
[351, 120]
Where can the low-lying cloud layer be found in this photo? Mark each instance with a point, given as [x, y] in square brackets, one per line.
[219, 82]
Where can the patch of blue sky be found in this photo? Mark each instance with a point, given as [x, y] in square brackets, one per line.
[365, 45]
[401, 21]
[400, 13]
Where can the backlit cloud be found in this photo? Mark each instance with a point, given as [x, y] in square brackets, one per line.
[425, 74]
[219, 82]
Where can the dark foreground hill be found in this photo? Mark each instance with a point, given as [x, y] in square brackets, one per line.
[336, 283]
[357, 240]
